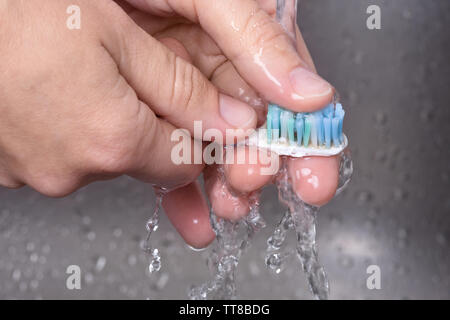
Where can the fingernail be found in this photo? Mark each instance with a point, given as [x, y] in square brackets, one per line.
[308, 84]
[236, 113]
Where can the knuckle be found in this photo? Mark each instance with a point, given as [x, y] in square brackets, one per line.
[270, 37]
[54, 187]
[263, 32]
[110, 152]
[186, 84]
[109, 156]
[112, 142]
[10, 183]
[113, 10]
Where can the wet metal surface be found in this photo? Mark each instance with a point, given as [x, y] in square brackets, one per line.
[394, 214]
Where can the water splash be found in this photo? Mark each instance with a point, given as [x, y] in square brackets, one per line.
[276, 257]
[301, 218]
[151, 226]
[304, 223]
[232, 239]
[345, 171]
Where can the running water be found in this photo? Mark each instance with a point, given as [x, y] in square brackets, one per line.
[151, 226]
[301, 217]
[277, 255]
[232, 239]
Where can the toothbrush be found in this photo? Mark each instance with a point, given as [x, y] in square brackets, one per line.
[288, 133]
[291, 134]
[300, 134]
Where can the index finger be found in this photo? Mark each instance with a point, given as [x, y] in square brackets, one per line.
[259, 48]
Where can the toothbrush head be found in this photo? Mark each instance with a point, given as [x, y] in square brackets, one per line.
[301, 134]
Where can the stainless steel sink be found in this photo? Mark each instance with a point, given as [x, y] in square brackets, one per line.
[395, 214]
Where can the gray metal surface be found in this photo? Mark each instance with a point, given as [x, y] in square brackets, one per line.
[394, 83]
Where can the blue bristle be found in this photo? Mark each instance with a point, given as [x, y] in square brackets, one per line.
[299, 127]
[335, 131]
[327, 131]
[340, 113]
[275, 111]
[328, 111]
[307, 130]
[314, 134]
[269, 126]
[284, 124]
[287, 125]
[291, 128]
[319, 126]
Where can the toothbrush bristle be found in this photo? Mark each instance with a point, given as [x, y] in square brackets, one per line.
[299, 125]
[318, 129]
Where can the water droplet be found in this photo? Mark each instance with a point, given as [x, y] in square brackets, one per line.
[407, 14]
[34, 284]
[16, 275]
[86, 220]
[46, 249]
[117, 232]
[89, 278]
[123, 289]
[276, 261]
[112, 246]
[381, 118]
[34, 257]
[132, 260]
[155, 261]
[364, 197]
[23, 286]
[162, 281]
[402, 233]
[346, 261]
[65, 232]
[400, 194]
[152, 224]
[100, 264]
[91, 235]
[30, 246]
[12, 250]
[254, 269]
[401, 270]
[440, 239]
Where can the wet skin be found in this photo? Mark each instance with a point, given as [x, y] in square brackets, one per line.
[142, 69]
[314, 179]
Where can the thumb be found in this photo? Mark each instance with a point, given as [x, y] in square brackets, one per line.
[257, 46]
[173, 88]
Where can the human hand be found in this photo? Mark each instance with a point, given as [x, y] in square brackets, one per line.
[83, 105]
[92, 105]
[186, 207]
